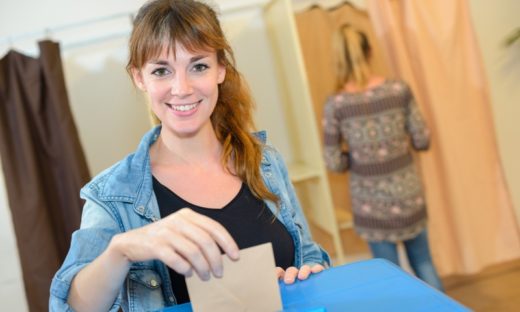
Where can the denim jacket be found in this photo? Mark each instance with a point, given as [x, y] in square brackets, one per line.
[121, 198]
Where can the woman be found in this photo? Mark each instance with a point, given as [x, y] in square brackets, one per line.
[198, 183]
[376, 117]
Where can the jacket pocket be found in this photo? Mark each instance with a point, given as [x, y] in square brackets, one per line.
[144, 290]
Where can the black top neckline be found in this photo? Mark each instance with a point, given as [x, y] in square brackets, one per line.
[240, 191]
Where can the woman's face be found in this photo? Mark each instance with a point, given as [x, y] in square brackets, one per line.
[183, 89]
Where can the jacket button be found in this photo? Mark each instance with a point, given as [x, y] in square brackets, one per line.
[140, 209]
[153, 283]
[171, 299]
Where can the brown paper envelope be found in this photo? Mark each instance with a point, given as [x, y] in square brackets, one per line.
[249, 284]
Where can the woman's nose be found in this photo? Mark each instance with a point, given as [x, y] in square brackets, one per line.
[181, 85]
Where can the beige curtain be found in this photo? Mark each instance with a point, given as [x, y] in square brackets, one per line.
[431, 44]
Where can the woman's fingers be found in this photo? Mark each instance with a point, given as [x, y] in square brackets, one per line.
[279, 273]
[176, 262]
[192, 253]
[215, 230]
[185, 241]
[196, 238]
[290, 275]
[304, 272]
[317, 268]
[206, 245]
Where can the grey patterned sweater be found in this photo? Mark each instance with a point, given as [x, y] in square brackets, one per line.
[379, 127]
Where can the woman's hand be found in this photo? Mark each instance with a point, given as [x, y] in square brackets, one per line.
[289, 275]
[184, 240]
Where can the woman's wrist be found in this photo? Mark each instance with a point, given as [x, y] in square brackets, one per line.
[116, 251]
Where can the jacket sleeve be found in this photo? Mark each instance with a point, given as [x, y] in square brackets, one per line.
[336, 159]
[415, 124]
[98, 226]
[312, 253]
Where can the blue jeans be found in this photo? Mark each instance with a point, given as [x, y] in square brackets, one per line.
[418, 253]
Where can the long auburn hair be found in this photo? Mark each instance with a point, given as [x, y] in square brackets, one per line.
[352, 50]
[195, 26]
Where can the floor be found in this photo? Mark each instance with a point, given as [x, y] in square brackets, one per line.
[495, 289]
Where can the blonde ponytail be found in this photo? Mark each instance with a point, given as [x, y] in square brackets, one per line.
[352, 52]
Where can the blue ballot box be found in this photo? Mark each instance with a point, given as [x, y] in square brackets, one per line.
[369, 285]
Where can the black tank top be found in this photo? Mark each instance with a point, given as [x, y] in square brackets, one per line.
[249, 221]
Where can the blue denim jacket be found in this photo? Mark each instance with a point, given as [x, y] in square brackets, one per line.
[121, 198]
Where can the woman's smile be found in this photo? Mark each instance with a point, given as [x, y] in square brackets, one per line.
[185, 108]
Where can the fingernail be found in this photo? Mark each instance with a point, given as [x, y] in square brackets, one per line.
[218, 272]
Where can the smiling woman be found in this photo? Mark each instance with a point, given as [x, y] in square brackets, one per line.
[198, 183]
[182, 87]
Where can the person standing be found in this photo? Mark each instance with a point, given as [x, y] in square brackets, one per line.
[371, 124]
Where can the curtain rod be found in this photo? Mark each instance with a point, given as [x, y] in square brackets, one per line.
[47, 32]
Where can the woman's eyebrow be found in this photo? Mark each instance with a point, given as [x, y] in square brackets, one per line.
[158, 62]
[197, 58]
[192, 60]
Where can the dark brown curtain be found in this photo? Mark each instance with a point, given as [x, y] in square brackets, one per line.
[43, 163]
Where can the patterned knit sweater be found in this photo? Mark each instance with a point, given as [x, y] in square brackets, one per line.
[377, 126]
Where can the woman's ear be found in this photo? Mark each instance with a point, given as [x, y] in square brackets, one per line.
[221, 73]
[137, 76]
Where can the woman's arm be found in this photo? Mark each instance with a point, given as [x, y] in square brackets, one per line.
[415, 124]
[185, 241]
[336, 159]
[96, 287]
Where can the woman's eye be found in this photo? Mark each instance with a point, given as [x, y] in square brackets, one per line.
[200, 67]
[160, 72]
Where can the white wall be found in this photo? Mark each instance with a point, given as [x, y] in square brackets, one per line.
[493, 22]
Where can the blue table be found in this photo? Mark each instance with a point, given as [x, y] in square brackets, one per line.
[370, 285]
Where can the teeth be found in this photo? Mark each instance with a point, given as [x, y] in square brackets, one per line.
[183, 108]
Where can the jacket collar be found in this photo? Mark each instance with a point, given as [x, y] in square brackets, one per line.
[132, 176]
[261, 136]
